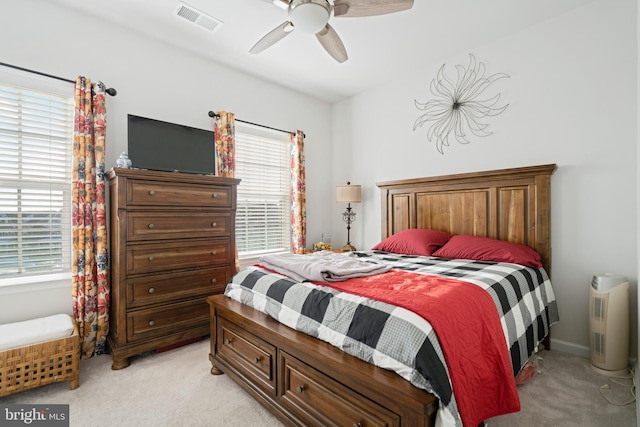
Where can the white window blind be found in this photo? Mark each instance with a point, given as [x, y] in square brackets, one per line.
[36, 134]
[263, 213]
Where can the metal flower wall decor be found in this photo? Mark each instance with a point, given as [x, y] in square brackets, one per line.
[456, 108]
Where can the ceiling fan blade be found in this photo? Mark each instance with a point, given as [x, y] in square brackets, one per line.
[369, 8]
[282, 4]
[274, 36]
[331, 42]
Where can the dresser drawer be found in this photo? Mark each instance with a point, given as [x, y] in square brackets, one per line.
[155, 193]
[165, 320]
[157, 257]
[244, 351]
[163, 288]
[320, 400]
[142, 226]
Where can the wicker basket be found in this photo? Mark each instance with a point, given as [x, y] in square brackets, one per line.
[35, 365]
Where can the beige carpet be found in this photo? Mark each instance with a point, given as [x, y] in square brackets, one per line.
[566, 392]
[175, 389]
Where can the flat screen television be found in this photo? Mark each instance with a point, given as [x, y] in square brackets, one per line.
[157, 145]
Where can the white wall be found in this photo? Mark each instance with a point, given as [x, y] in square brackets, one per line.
[572, 95]
[157, 81]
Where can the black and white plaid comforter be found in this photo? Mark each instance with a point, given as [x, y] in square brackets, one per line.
[408, 344]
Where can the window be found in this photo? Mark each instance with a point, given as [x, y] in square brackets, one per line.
[263, 219]
[36, 134]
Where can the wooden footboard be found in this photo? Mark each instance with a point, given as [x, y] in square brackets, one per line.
[305, 381]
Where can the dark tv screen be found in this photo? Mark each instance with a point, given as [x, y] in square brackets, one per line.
[158, 145]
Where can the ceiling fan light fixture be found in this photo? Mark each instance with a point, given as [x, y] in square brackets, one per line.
[312, 17]
[309, 16]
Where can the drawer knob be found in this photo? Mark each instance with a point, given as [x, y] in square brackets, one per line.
[151, 290]
[151, 258]
[214, 195]
[300, 388]
[227, 341]
[152, 193]
[151, 323]
[213, 252]
[357, 425]
[151, 225]
[214, 280]
[257, 359]
[213, 224]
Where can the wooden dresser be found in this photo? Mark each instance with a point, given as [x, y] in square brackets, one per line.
[172, 245]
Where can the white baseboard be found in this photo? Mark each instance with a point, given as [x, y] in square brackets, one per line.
[581, 351]
[571, 348]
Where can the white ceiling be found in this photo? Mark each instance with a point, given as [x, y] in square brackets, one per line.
[380, 48]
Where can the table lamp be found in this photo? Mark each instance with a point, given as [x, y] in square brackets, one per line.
[348, 194]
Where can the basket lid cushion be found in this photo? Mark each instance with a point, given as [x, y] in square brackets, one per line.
[33, 331]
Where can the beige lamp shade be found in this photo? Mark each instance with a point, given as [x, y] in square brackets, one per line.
[348, 193]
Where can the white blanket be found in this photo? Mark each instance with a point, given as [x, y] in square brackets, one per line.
[321, 266]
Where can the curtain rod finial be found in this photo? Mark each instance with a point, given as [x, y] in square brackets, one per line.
[213, 114]
[111, 91]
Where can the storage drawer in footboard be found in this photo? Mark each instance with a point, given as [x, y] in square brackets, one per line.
[255, 358]
[321, 400]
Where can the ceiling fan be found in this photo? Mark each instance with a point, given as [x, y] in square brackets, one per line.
[312, 17]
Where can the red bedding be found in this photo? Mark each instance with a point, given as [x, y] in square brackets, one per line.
[467, 324]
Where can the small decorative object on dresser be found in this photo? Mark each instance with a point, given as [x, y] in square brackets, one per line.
[172, 245]
[123, 161]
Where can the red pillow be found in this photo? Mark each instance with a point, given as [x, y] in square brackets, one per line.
[487, 249]
[414, 241]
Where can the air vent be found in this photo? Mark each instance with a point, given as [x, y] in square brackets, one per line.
[196, 17]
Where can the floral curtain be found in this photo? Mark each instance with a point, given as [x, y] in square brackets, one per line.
[298, 194]
[90, 281]
[224, 130]
[224, 135]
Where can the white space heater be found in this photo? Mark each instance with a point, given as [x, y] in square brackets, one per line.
[609, 324]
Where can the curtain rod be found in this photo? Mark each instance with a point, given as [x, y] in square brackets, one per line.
[111, 91]
[214, 114]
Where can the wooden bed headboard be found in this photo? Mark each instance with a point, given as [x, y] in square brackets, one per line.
[506, 204]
